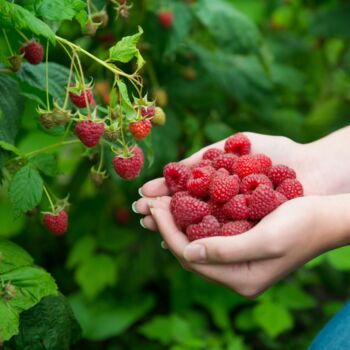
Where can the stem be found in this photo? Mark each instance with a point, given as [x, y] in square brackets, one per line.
[69, 81]
[49, 199]
[122, 127]
[101, 158]
[8, 42]
[55, 145]
[88, 8]
[83, 84]
[22, 35]
[72, 60]
[152, 74]
[47, 76]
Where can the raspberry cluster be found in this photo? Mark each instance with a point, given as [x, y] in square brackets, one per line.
[228, 191]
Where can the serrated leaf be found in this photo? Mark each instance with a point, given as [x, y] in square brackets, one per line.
[126, 103]
[273, 318]
[46, 163]
[25, 189]
[125, 50]
[9, 321]
[13, 16]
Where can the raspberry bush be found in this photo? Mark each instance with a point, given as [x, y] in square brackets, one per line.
[96, 97]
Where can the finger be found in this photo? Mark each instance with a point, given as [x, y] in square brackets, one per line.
[154, 188]
[141, 206]
[251, 245]
[148, 223]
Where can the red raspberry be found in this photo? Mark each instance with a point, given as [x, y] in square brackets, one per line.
[188, 210]
[221, 172]
[281, 198]
[148, 112]
[140, 129]
[264, 161]
[216, 210]
[238, 207]
[129, 168]
[235, 228]
[90, 132]
[176, 176]
[57, 223]
[291, 188]
[223, 187]
[79, 100]
[246, 165]
[226, 161]
[252, 181]
[33, 52]
[238, 144]
[279, 173]
[166, 19]
[175, 197]
[263, 201]
[198, 183]
[207, 228]
[122, 215]
[212, 153]
[203, 163]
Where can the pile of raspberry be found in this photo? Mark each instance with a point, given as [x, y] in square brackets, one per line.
[228, 192]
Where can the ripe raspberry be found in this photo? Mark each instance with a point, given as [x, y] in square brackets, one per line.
[176, 176]
[129, 168]
[140, 129]
[252, 181]
[291, 188]
[235, 228]
[238, 144]
[90, 132]
[216, 209]
[57, 223]
[264, 161]
[79, 100]
[226, 161]
[212, 153]
[122, 215]
[198, 183]
[176, 197]
[279, 173]
[238, 207]
[203, 163]
[221, 172]
[263, 201]
[209, 227]
[148, 112]
[281, 198]
[223, 187]
[188, 210]
[246, 165]
[33, 52]
[166, 19]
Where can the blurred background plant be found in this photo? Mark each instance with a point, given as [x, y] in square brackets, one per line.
[216, 67]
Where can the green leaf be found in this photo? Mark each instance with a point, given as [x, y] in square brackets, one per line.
[339, 258]
[292, 296]
[52, 321]
[216, 131]
[46, 163]
[9, 147]
[25, 189]
[81, 251]
[9, 321]
[109, 317]
[125, 50]
[10, 224]
[13, 16]
[104, 269]
[273, 318]
[126, 103]
[12, 256]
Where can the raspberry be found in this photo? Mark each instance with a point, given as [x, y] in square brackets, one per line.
[226, 161]
[203, 163]
[198, 183]
[216, 210]
[33, 52]
[263, 201]
[223, 187]
[148, 112]
[140, 129]
[175, 197]
[129, 168]
[207, 228]
[57, 223]
[166, 19]
[246, 165]
[176, 176]
[281, 198]
[238, 144]
[291, 188]
[188, 210]
[90, 132]
[235, 228]
[238, 207]
[279, 173]
[221, 172]
[79, 100]
[122, 216]
[264, 161]
[252, 181]
[159, 117]
[212, 153]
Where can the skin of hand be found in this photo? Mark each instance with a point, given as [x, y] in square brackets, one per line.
[291, 235]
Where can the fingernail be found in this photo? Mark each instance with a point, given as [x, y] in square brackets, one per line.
[164, 245]
[142, 224]
[133, 207]
[140, 192]
[195, 252]
[152, 210]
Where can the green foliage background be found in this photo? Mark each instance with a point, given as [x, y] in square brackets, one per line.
[274, 67]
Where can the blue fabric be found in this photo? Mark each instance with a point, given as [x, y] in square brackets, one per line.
[336, 334]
